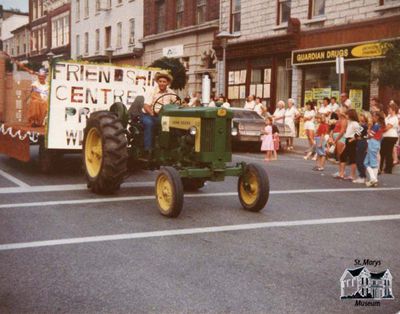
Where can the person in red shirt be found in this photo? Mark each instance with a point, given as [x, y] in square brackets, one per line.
[320, 140]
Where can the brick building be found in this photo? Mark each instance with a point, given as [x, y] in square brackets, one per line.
[270, 58]
[184, 29]
[49, 22]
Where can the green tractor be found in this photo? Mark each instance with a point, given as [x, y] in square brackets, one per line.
[190, 146]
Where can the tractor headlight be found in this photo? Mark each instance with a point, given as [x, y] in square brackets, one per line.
[192, 130]
[234, 131]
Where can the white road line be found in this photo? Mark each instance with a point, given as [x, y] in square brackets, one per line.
[13, 179]
[65, 187]
[200, 195]
[192, 231]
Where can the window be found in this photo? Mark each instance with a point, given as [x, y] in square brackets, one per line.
[119, 35]
[86, 43]
[179, 13]
[161, 16]
[283, 11]
[78, 11]
[236, 17]
[78, 45]
[44, 40]
[107, 37]
[317, 8]
[86, 9]
[388, 2]
[97, 5]
[132, 31]
[40, 8]
[97, 40]
[66, 30]
[34, 10]
[201, 11]
[39, 39]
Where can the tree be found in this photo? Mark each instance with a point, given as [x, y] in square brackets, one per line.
[388, 74]
[176, 68]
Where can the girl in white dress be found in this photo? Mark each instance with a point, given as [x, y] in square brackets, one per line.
[309, 127]
[290, 115]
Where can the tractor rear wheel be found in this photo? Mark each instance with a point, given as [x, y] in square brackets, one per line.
[253, 188]
[192, 184]
[105, 152]
[169, 192]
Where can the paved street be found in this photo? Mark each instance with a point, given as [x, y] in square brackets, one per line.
[63, 249]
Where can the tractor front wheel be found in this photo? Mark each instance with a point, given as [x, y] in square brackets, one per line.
[169, 192]
[253, 188]
[104, 152]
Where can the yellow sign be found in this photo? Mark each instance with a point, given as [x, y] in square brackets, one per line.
[368, 50]
[356, 97]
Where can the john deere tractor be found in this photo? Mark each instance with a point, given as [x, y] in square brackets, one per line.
[190, 146]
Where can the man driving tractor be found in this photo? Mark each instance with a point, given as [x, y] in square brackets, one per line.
[153, 106]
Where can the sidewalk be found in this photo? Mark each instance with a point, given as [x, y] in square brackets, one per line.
[301, 145]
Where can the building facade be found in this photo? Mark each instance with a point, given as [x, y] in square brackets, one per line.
[183, 29]
[107, 29]
[50, 29]
[9, 21]
[21, 43]
[260, 61]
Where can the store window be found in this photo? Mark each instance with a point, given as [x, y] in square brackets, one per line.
[358, 84]
[283, 11]
[237, 86]
[320, 81]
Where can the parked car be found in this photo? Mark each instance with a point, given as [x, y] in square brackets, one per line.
[249, 125]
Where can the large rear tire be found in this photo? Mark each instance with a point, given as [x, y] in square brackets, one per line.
[105, 152]
[169, 192]
[253, 188]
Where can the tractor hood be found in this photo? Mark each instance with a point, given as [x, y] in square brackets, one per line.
[201, 112]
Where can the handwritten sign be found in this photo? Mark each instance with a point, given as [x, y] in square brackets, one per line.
[78, 89]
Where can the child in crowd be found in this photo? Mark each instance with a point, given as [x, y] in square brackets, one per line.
[320, 142]
[361, 147]
[374, 145]
[267, 144]
[275, 138]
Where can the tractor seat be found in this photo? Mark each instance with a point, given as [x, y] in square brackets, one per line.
[135, 110]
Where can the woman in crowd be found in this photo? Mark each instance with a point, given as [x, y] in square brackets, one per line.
[361, 147]
[390, 137]
[325, 109]
[212, 102]
[259, 107]
[320, 142]
[374, 144]
[291, 113]
[250, 103]
[225, 103]
[349, 152]
[279, 114]
[309, 127]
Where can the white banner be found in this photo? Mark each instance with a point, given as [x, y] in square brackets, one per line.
[77, 89]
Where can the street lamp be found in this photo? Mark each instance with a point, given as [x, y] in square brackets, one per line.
[109, 53]
[224, 36]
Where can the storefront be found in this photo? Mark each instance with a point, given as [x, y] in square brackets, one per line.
[259, 67]
[320, 79]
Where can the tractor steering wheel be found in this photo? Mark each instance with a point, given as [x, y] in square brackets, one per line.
[157, 105]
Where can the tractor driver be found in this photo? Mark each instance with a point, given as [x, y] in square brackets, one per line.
[150, 118]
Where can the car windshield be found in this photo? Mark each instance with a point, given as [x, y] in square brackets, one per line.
[246, 114]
